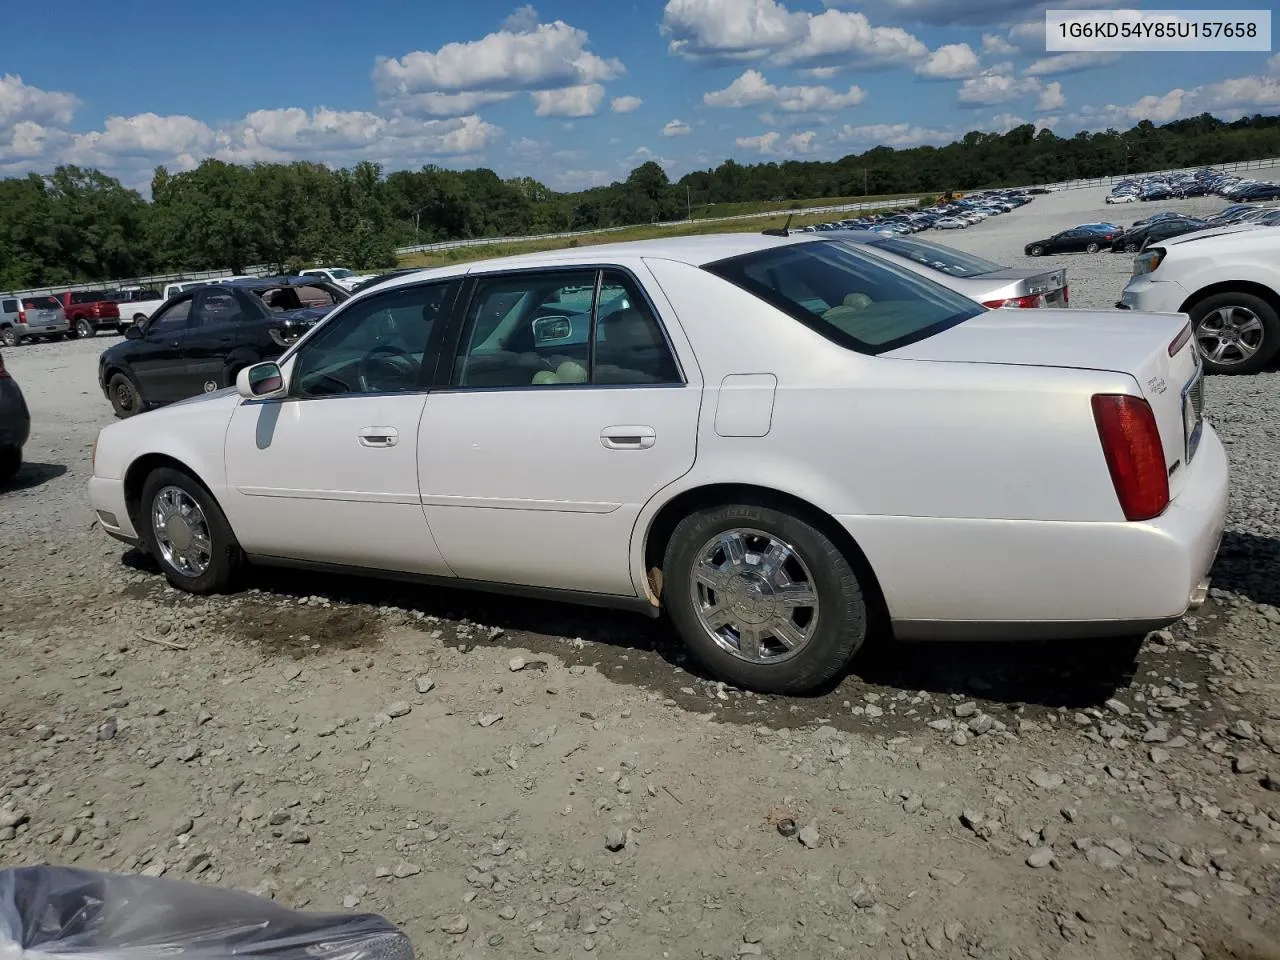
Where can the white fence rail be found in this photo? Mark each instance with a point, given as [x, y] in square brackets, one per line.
[160, 280]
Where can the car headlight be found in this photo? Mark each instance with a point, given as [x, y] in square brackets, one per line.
[1147, 262]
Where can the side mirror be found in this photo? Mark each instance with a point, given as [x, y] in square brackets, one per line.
[262, 381]
[133, 332]
[551, 330]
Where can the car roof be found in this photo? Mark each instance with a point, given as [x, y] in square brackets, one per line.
[253, 283]
[697, 251]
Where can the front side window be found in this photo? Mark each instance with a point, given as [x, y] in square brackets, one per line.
[172, 320]
[852, 299]
[382, 344]
[562, 328]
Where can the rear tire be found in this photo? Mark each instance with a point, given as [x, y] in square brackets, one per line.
[126, 397]
[1092, 248]
[788, 646]
[1251, 327]
[9, 337]
[195, 569]
[85, 329]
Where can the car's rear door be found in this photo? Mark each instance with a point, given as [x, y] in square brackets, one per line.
[218, 316]
[534, 465]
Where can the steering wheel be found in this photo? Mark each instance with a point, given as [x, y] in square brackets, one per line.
[386, 367]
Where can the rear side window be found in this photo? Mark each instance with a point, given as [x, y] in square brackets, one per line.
[9, 306]
[81, 296]
[954, 263]
[852, 299]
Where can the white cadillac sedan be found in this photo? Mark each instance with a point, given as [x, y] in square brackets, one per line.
[778, 440]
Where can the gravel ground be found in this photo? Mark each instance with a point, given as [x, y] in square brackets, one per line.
[506, 778]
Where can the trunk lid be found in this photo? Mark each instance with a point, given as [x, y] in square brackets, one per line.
[1156, 349]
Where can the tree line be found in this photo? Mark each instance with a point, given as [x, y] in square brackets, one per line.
[80, 225]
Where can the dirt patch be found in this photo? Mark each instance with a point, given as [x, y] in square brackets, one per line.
[301, 630]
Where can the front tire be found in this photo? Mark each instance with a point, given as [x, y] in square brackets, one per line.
[186, 532]
[10, 463]
[126, 398]
[1092, 248]
[762, 598]
[85, 329]
[1235, 332]
[1037, 251]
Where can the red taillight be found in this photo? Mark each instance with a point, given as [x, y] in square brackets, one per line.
[1024, 303]
[22, 316]
[1066, 295]
[1135, 456]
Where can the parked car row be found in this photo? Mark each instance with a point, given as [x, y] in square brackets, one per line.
[1093, 237]
[1197, 184]
[943, 215]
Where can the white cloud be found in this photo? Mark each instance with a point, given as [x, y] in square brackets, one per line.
[21, 102]
[950, 62]
[1069, 63]
[991, 87]
[675, 128]
[1274, 63]
[803, 142]
[963, 12]
[448, 104]
[765, 143]
[550, 60]
[521, 20]
[820, 73]
[729, 30]
[625, 104]
[893, 135]
[1227, 98]
[1051, 97]
[574, 180]
[580, 101]
[1004, 122]
[996, 45]
[752, 89]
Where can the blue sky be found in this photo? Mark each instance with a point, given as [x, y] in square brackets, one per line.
[572, 92]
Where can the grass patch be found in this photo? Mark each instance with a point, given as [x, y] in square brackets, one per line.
[441, 258]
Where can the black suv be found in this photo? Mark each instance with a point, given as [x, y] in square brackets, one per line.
[200, 339]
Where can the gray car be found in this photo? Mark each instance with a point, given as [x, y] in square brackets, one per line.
[991, 284]
[25, 317]
[15, 424]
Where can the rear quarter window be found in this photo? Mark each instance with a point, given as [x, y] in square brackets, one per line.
[851, 298]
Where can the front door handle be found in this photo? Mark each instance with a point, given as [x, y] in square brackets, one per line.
[628, 438]
[379, 436]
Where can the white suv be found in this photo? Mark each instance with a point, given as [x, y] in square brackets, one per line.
[1228, 280]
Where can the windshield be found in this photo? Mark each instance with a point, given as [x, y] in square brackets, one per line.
[943, 259]
[340, 273]
[857, 301]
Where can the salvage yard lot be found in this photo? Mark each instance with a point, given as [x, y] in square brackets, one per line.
[466, 765]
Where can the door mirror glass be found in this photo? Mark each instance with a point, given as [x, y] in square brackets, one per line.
[262, 381]
[133, 332]
[548, 330]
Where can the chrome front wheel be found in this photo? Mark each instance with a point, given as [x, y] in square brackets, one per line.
[1230, 335]
[181, 531]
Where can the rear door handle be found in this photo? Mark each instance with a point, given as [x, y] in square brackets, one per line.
[628, 438]
[379, 436]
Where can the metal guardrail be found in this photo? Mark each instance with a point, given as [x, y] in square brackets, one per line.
[263, 270]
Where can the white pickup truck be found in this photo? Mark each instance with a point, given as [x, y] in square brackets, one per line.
[343, 277]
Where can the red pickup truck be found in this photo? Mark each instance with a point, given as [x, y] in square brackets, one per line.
[88, 311]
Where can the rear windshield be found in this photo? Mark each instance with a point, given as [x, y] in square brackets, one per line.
[40, 303]
[852, 299]
[946, 260]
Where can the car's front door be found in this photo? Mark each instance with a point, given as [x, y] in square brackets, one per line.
[565, 412]
[156, 357]
[329, 474]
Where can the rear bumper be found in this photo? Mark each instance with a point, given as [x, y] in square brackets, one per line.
[106, 496]
[963, 578]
